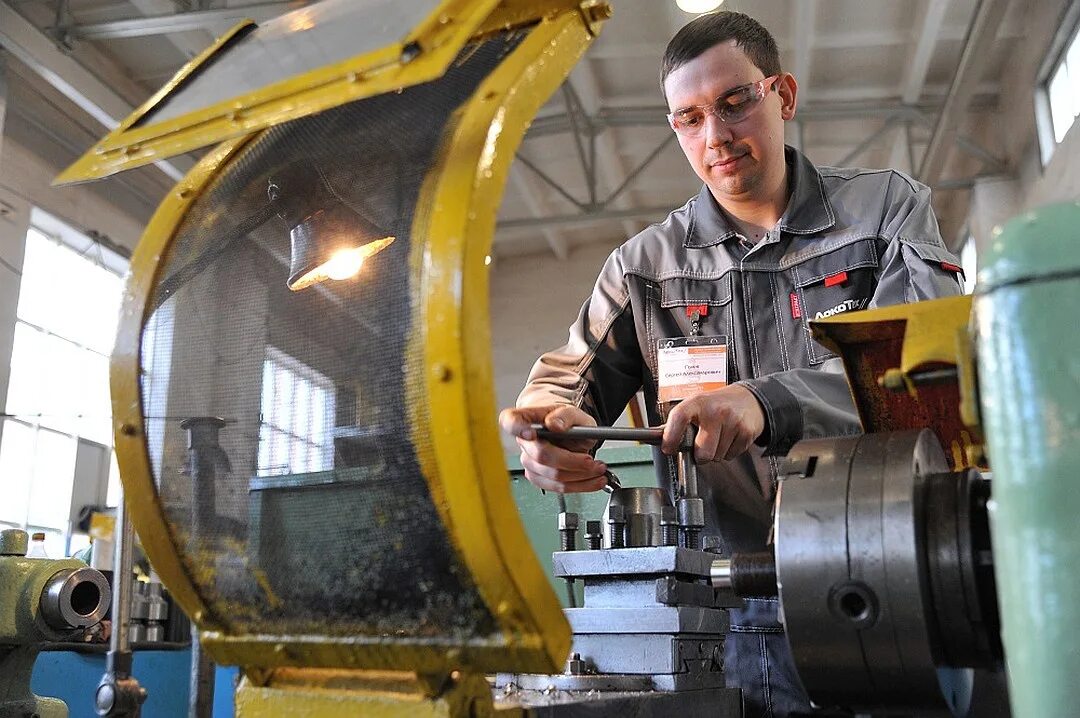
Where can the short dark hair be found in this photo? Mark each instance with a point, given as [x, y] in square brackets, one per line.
[711, 29]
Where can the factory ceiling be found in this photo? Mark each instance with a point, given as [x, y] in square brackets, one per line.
[882, 84]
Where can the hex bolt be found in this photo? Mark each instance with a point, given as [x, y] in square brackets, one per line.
[669, 526]
[691, 521]
[594, 535]
[568, 525]
[575, 666]
[617, 523]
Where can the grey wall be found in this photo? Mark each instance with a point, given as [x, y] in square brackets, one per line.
[534, 300]
[1032, 185]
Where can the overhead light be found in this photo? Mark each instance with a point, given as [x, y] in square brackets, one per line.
[487, 259]
[329, 240]
[696, 7]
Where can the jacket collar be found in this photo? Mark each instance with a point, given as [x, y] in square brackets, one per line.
[808, 210]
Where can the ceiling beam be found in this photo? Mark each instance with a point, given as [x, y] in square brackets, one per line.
[607, 156]
[3, 96]
[604, 50]
[38, 52]
[210, 20]
[983, 31]
[607, 215]
[187, 44]
[900, 155]
[929, 15]
[528, 188]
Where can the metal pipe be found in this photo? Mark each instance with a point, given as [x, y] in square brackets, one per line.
[177, 22]
[201, 689]
[981, 35]
[602, 433]
[687, 467]
[123, 566]
[119, 693]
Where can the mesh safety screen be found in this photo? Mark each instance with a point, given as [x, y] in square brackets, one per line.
[311, 37]
[304, 510]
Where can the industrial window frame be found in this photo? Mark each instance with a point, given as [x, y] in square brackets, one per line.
[60, 536]
[278, 420]
[1065, 45]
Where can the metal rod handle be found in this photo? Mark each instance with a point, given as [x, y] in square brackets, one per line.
[602, 433]
[123, 566]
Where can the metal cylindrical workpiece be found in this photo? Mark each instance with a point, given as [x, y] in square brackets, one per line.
[1029, 283]
[748, 575]
[641, 511]
[753, 575]
[75, 598]
[720, 573]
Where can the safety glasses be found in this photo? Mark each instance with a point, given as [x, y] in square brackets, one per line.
[733, 106]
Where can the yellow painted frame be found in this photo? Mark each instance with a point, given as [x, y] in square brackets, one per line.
[464, 196]
[466, 473]
[440, 36]
[129, 429]
[929, 336]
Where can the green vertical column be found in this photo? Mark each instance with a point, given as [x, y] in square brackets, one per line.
[1027, 311]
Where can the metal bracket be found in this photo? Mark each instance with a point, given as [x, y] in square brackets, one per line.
[670, 591]
[697, 656]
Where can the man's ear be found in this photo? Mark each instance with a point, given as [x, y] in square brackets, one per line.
[788, 90]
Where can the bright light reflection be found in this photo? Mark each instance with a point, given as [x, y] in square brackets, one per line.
[487, 260]
[696, 7]
[300, 20]
[344, 264]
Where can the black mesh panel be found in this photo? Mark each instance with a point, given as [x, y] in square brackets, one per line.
[304, 510]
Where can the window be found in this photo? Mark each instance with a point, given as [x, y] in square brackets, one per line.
[156, 366]
[1058, 96]
[296, 433]
[969, 261]
[58, 390]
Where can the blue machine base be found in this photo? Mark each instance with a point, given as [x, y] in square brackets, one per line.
[73, 677]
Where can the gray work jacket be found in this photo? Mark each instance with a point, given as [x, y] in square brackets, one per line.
[849, 239]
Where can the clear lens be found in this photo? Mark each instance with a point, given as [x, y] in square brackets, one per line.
[689, 121]
[736, 105]
[731, 107]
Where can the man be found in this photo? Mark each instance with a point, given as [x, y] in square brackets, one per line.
[770, 243]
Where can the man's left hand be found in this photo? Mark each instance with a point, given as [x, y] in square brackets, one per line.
[729, 420]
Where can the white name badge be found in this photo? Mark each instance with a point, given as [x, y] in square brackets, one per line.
[690, 365]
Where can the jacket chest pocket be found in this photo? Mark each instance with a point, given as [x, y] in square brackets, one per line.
[668, 314]
[840, 281]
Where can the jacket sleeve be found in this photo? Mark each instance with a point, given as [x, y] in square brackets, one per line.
[812, 403]
[600, 367]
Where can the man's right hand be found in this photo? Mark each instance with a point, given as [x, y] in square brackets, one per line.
[564, 466]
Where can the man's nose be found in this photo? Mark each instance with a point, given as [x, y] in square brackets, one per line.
[717, 132]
